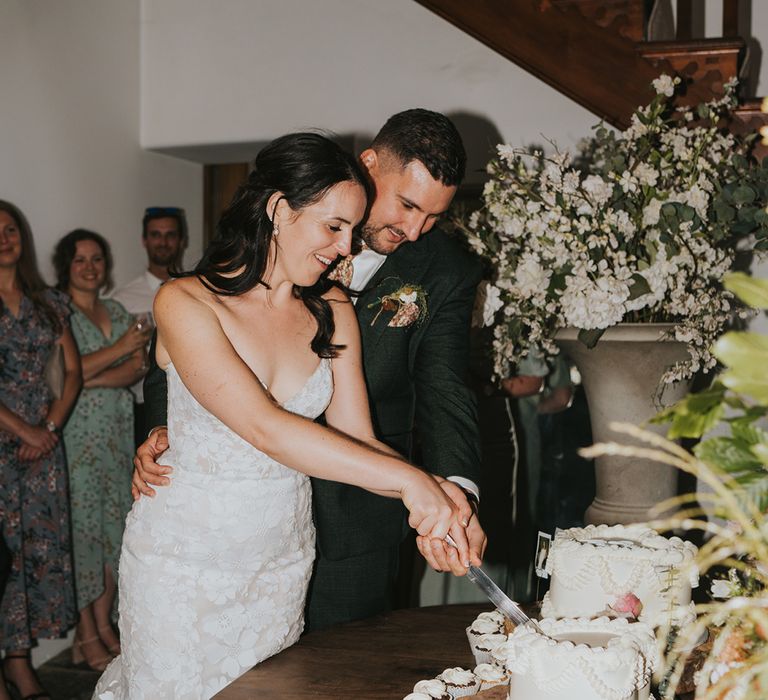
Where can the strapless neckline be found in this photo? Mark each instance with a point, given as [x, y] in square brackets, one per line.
[324, 363]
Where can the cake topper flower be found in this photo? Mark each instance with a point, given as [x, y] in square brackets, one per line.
[409, 303]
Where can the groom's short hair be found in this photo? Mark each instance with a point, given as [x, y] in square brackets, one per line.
[426, 136]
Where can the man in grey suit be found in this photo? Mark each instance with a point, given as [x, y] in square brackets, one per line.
[415, 373]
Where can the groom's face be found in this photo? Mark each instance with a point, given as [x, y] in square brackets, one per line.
[407, 201]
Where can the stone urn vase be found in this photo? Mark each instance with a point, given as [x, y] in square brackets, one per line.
[621, 377]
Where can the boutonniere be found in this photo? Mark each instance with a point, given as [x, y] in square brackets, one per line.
[409, 303]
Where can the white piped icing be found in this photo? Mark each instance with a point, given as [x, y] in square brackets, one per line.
[458, 676]
[494, 616]
[541, 667]
[591, 567]
[459, 682]
[484, 646]
[490, 675]
[485, 623]
[488, 642]
[434, 688]
[417, 696]
[486, 626]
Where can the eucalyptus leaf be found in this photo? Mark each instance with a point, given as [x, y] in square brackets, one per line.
[724, 212]
[590, 337]
[639, 286]
[744, 194]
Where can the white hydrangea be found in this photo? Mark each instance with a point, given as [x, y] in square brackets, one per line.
[652, 213]
[646, 174]
[531, 279]
[493, 302]
[592, 304]
[599, 190]
[597, 230]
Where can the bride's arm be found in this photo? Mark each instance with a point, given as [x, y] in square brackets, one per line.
[190, 332]
[349, 410]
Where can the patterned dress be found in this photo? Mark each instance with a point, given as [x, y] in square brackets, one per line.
[99, 441]
[39, 600]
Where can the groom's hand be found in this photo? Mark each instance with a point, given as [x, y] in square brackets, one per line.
[440, 555]
[146, 469]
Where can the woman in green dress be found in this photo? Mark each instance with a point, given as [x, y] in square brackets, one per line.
[99, 436]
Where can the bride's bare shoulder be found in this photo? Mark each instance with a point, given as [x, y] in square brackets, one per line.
[184, 294]
[344, 318]
[334, 294]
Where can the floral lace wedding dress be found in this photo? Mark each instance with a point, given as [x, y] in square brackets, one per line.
[214, 569]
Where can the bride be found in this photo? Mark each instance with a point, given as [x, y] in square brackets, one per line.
[214, 569]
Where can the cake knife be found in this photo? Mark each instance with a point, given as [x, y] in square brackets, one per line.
[501, 600]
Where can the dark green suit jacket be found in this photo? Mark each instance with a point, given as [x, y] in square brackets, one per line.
[416, 376]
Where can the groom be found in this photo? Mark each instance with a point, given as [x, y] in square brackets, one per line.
[415, 373]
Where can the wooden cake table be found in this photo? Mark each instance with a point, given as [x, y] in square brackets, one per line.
[380, 658]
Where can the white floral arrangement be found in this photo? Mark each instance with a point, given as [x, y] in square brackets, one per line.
[640, 227]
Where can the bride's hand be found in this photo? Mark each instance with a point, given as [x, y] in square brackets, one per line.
[433, 514]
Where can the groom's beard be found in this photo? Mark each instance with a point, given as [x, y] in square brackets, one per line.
[383, 239]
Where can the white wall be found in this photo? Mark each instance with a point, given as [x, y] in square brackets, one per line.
[244, 71]
[70, 154]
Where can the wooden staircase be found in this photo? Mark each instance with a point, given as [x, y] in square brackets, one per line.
[596, 51]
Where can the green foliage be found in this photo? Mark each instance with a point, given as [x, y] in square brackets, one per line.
[738, 399]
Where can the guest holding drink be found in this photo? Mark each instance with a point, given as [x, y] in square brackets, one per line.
[39, 600]
[164, 236]
[98, 436]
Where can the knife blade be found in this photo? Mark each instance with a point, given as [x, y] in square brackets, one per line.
[508, 607]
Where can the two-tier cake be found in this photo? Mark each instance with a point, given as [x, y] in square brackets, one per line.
[592, 569]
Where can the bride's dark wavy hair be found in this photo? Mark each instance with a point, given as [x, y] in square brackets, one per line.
[303, 167]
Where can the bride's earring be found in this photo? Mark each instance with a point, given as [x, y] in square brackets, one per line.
[275, 229]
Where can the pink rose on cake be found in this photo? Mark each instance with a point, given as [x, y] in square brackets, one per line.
[627, 605]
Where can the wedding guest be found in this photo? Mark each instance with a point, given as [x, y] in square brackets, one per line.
[163, 235]
[415, 374]
[39, 599]
[98, 435]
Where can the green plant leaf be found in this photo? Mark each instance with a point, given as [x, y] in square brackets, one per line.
[744, 194]
[746, 356]
[639, 286]
[729, 455]
[750, 290]
[761, 452]
[743, 352]
[724, 212]
[590, 337]
[694, 425]
[747, 433]
[694, 415]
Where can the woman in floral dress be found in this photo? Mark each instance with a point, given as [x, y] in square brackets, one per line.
[98, 436]
[39, 600]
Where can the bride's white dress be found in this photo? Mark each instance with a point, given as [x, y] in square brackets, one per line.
[214, 569]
